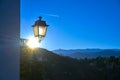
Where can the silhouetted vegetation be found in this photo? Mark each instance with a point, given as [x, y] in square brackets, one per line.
[45, 65]
[30, 68]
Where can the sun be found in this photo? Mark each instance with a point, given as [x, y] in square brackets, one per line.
[33, 42]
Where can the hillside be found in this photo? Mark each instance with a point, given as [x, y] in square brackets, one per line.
[47, 65]
[56, 67]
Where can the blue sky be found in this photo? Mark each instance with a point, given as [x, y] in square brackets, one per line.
[74, 24]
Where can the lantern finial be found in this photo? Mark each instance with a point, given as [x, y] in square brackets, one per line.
[40, 17]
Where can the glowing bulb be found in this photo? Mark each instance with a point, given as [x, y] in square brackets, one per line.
[33, 42]
[40, 31]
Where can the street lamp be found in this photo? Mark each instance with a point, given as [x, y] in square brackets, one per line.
[40, 28]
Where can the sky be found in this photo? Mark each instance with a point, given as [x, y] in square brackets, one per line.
[74, 24]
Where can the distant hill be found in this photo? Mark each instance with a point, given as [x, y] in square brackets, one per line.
[63, 51]
[88, 53]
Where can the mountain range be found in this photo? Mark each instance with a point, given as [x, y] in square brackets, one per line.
[88, 53]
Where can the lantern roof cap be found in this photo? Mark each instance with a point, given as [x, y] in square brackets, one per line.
[40, 22]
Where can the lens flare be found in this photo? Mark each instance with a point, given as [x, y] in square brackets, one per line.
[33, 42]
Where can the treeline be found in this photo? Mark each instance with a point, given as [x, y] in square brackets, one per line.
[45, 65]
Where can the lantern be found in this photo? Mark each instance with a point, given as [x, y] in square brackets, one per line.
[40, 28]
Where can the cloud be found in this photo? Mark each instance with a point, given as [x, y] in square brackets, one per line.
[52, 15]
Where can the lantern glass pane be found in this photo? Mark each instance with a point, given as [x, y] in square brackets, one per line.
[42, 31]
[36, 31]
